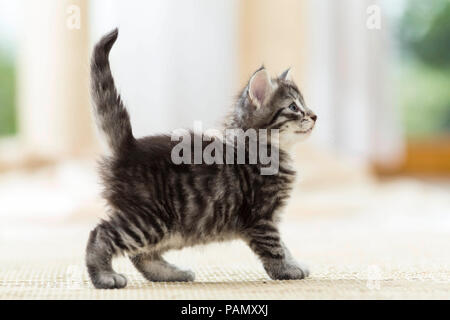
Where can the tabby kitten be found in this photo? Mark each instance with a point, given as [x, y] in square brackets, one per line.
[156, 205]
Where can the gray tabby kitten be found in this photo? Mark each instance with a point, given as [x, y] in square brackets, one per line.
[156, 205]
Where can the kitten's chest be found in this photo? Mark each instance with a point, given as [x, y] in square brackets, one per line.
[278, 185]
[272, 195]
[282, 181]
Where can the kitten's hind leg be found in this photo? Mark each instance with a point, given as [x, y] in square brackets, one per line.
[99, 253]
[154, 268]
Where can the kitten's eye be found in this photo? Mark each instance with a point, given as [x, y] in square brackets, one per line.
[293, 107]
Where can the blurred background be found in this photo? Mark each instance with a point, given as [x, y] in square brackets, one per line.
[376, 72]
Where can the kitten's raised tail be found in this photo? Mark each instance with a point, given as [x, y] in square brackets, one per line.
[111, 115]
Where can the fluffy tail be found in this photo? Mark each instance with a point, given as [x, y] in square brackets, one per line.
[111, 115]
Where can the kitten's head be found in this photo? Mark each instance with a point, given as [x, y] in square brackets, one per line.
[274, 103]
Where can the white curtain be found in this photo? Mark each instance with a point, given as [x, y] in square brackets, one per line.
[349, 80]
[174, 61]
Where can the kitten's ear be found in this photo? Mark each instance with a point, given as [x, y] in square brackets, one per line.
[286, 75]
[260, 87]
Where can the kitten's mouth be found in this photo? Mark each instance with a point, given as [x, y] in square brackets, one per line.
[305, 131]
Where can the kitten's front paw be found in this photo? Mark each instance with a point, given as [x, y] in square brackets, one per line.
[109, 280]
[287, 271]
[187, 276]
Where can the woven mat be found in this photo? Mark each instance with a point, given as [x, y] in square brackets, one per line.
[55, 270]
[363, 241]
[62, 281]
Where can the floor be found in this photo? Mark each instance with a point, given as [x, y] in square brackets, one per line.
[361, 238]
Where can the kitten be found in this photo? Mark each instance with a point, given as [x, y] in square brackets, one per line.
[156, 205]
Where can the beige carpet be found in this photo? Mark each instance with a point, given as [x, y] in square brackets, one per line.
[362, 240]
[341, 268]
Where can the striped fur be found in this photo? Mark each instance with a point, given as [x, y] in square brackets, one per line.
[156, 205]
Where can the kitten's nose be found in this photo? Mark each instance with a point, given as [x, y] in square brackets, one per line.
[314, 117]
